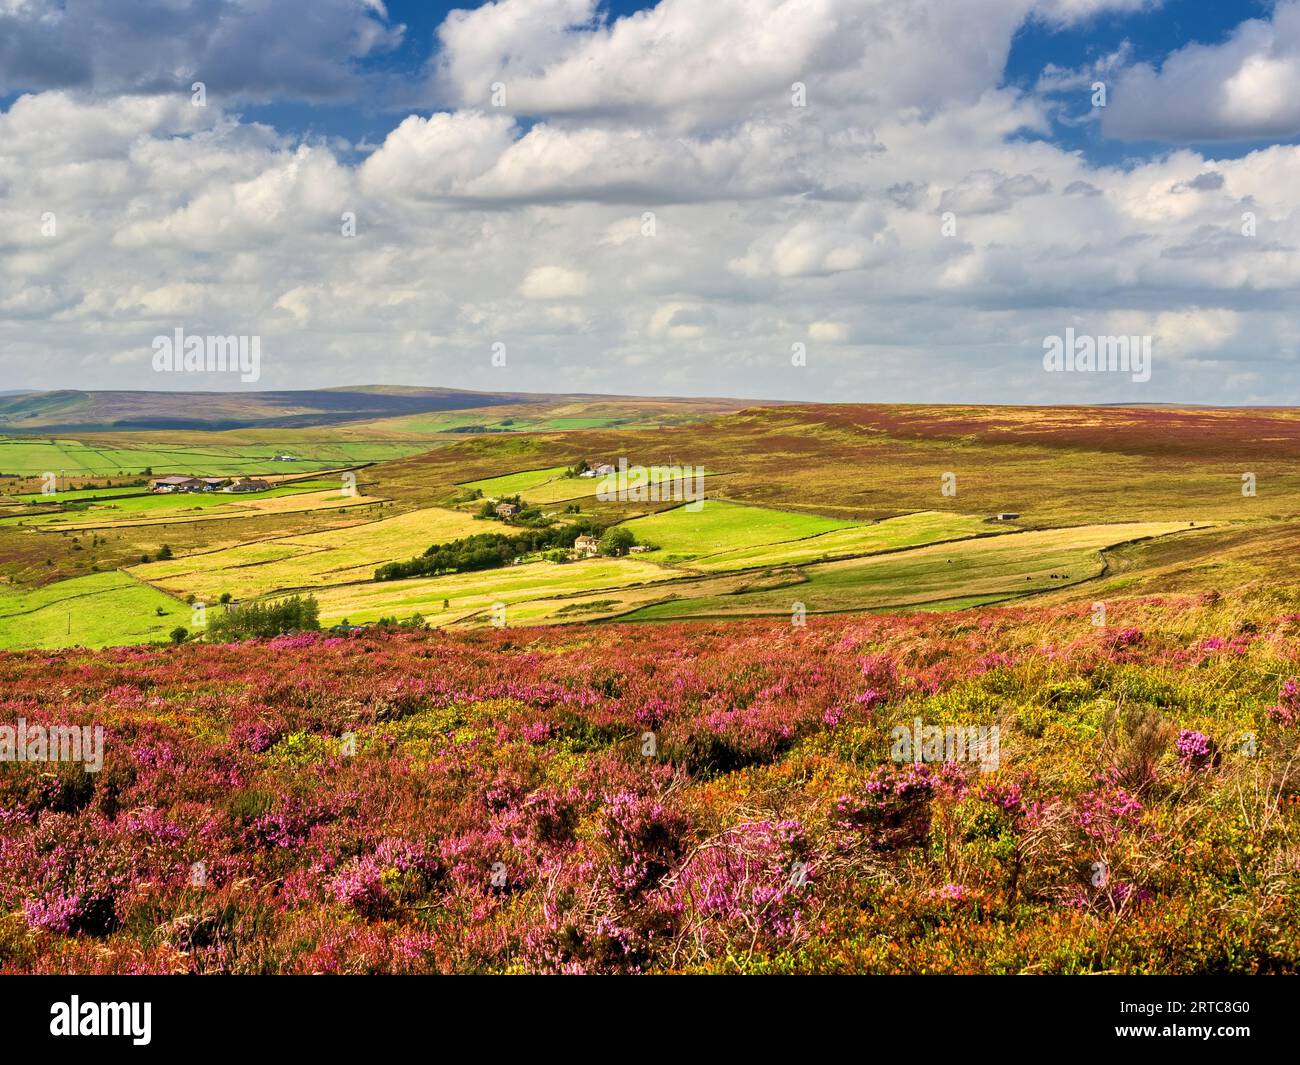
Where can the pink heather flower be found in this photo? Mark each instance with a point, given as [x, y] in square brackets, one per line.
[953, 893]
[832, 717]
[1127, 637]
[1007, 796]
[869, 699]
[1281, 715]
[537, 732]
[1194, 748]
[56, 914]
[1106, 812]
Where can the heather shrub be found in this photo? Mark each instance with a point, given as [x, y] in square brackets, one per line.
[497, 809]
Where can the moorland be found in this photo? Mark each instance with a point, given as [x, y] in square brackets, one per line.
[604, 730]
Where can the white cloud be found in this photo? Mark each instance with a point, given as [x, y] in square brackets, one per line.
[772, 224]
[1246, 87]
[554, 283]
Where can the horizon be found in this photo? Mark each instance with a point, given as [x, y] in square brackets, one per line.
[661, 396]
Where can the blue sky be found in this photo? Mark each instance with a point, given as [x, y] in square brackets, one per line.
[650, 207]
[1151, 33]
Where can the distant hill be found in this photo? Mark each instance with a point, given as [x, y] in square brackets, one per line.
[88, 411]
[74, 410]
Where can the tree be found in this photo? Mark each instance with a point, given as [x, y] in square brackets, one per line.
[179, 633]
[295, 614]
[616, 541]
[164, 552]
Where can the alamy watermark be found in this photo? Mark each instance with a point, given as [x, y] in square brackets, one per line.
[24, 742]
[179, 353]
[947, 743]
[77, 1018]
[1098, 354]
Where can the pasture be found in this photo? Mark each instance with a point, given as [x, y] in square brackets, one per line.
[729, 536]
[471, 594]
[975, 571]
[103, 609]
[684, 534]
[310, 560]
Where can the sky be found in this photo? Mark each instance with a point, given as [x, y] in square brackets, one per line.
[823, 200]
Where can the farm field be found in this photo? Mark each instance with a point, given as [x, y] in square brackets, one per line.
[469, 594]
[28, 457]
[814, 538]
[735, 537]
[334, 557]
[683, 533]
[94, 611]
[551, 486]
[191, 507]
[1012, 564]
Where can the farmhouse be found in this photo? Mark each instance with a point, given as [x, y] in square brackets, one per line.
[182, 483]
[1005, 516]
[283, 458]
[585, 546]
[176, 484]
[506, 511]
[597, 469]
[249, 484]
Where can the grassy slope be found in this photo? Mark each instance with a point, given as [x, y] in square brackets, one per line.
[1009, 565]
[104, 609]
[333, 557]
[682, 534]
[471, 593]
[908, 530]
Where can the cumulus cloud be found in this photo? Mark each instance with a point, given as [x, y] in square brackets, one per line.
[554, 283]
[650, 213]
[1245, 88]
[690, 65]
[242, 49]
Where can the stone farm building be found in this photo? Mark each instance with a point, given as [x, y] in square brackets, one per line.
[182, 483]
[249, 484]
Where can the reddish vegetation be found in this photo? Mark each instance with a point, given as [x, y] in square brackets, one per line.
[668, 798]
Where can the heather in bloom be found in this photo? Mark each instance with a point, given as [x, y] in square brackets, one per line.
[1195, 749]
[496, 808]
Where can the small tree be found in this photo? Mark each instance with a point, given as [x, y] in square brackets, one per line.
[179, 634]
[616, 541]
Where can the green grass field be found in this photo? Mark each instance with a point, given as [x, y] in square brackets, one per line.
[151, 507]
[683, 534]
[514, 483]
[967, 571]
[732, 536]
[102, 610]
[34, 457]
[76, 494]
[550, 485]
[909, 530]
